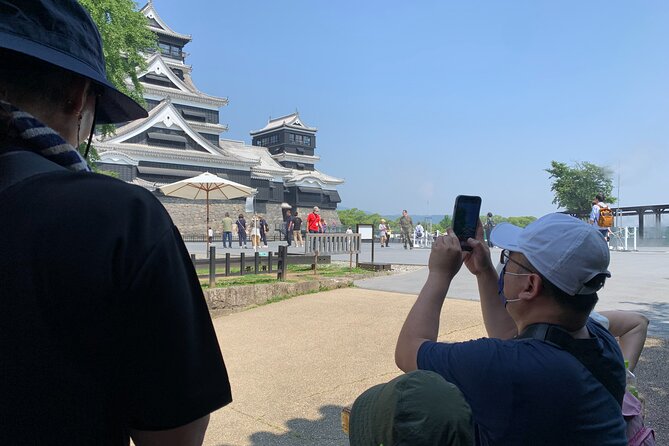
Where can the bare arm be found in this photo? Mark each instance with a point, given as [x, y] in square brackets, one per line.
[498, 323]
[422, 323]
[630, 328]
[191, 434]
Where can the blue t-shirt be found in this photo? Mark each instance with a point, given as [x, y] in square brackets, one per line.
[529, 392]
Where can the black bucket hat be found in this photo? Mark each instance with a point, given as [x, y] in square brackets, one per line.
[62, 33]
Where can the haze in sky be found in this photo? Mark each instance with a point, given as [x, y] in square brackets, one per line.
[417, 102]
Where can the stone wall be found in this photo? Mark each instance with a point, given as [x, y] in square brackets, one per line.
[190, 216]
[243, 296]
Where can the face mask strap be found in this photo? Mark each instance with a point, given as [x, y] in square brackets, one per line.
[90, 137]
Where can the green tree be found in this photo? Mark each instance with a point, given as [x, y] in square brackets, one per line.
[352, 217]
[443, 224]
[575, 186]
[520, 221]
[126, 39]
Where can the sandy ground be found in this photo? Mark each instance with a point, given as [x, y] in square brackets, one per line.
[294, 364]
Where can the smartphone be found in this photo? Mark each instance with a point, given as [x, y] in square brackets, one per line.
[465, 218]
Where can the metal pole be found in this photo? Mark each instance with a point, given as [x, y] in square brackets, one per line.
[627, 234]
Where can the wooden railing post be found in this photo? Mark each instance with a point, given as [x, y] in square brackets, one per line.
[212, 266]
[281, 265]
[227, 263]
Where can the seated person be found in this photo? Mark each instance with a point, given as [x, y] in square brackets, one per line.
[525, 390]
[416, 409]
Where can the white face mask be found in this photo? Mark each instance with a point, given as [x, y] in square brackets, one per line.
[500, 283]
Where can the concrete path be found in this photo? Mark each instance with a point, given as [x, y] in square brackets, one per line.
[294, 364]
[639, 281]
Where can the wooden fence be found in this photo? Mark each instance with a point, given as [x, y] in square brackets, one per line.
[331, 243]
[257, 263]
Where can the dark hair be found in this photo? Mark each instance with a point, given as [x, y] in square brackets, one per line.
[599, 197]
[241, 216]
[580, 303]
[295, 212]
[489, 214]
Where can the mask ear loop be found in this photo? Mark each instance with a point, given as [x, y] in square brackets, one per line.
[90, 137]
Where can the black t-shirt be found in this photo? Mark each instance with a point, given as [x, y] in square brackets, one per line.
[103, 324]
[297, 223]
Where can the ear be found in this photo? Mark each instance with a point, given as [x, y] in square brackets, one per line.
[533, 287]
[77, 94]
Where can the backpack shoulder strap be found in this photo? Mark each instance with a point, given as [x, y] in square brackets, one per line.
[587, 351]
[16, 166]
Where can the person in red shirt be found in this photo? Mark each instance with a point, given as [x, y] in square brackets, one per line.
[314, 221]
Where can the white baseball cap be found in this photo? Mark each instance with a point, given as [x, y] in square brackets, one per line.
[565, 250]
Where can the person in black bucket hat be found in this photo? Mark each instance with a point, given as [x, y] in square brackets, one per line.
[105, 331]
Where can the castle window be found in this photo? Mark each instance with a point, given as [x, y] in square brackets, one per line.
[168, 139]
[303, 140]
[168, 50]
[194, 115]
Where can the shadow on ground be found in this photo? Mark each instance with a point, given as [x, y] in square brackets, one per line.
[325, 431]
[653, 382]
[658, 314]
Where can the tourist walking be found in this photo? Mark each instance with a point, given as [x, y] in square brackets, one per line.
[264, 228]
[241, 230]
[489, 225]
[601, 216]
[227, 230]
[383, 233]
[406, 225]
[314, 221]
[288, 227]
[297, 230]
[255, 232]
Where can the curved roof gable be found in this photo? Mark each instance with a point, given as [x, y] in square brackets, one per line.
[306, 177]
[165, 114]
[156, 64]
[150, 13]
[292, 121]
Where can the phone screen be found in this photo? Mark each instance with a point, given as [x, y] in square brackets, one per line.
[465, 218]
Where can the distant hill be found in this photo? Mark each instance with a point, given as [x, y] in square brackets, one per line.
[416, 218]
[436, 218]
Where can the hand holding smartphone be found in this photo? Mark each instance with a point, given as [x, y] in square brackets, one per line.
[465, 218]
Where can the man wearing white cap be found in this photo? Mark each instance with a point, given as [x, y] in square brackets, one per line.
[547, 374]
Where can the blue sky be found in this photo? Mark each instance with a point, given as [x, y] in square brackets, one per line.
[417, 102]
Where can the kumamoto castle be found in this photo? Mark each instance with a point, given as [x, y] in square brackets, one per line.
[181, 138]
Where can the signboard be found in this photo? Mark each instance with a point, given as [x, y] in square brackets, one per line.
[249, 205]
[366, 231]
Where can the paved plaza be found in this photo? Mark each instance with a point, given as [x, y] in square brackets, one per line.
[294, 364]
